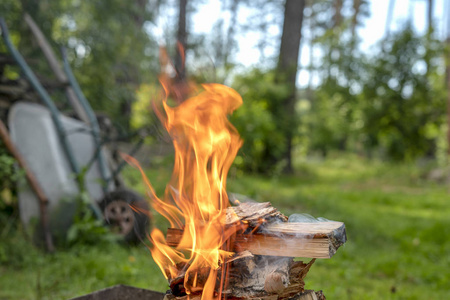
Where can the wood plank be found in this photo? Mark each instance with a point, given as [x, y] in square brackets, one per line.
[313, 240]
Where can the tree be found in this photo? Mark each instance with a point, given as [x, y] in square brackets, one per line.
[404, 106]
[334, 117]
[389, 15]
[108, 48]
[182, 40]
[360, 8]
[356, 11]
[447, 41]
[287, 72]
[430, 16]
[337, 17]
[256, 121]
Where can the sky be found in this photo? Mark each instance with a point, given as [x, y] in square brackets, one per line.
[375, 25]
[371, 32]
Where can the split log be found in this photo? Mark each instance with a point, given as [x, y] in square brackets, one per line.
[263, 266]
[313, 240]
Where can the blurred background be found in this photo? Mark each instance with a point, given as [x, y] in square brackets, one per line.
[345, 116]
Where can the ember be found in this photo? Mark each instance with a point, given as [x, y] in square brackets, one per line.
[215, 251]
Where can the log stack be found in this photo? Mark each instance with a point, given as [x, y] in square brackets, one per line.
[263, 266]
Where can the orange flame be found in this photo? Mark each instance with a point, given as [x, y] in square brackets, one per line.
[205, 145]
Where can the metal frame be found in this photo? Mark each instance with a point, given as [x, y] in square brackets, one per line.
[45, 97]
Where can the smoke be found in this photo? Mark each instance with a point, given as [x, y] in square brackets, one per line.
[306, 218]
[235, 198]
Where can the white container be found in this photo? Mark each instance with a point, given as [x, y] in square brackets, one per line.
[34, 134]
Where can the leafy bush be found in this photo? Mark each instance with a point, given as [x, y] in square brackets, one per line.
[8, 173]
[258, 121]
[333, 120]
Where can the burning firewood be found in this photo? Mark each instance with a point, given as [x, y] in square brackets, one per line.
[275, 236]
[214, 251]
[263, 266]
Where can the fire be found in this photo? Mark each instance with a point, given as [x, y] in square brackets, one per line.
[195, 200]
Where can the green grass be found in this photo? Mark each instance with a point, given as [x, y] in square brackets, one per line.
[398, 229]
[76, 272]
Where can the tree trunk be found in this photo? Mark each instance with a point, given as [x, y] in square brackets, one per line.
[311, 65]
[139, 15]
[356, 10]
[287, 70]
[181, 37]
[448, 94]
[448, 101]
[447, 77]
[337, 18]
[133, 78]
[390, 12]
[429, 34]
[180, 92]
[430, 16]
[230, 43]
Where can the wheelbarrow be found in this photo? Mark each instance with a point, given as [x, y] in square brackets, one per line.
[68, 156]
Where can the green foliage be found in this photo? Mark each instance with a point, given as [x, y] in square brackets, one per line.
[404, 103]
[142, 115]
[8, 173]
[109, 52]
[392, 103]
[108, 48]
[333, 118]
[87, 229]
[256, 121]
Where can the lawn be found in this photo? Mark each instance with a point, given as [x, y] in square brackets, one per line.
[398, 228]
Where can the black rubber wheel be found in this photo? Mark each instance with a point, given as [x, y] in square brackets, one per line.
[117, 210]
